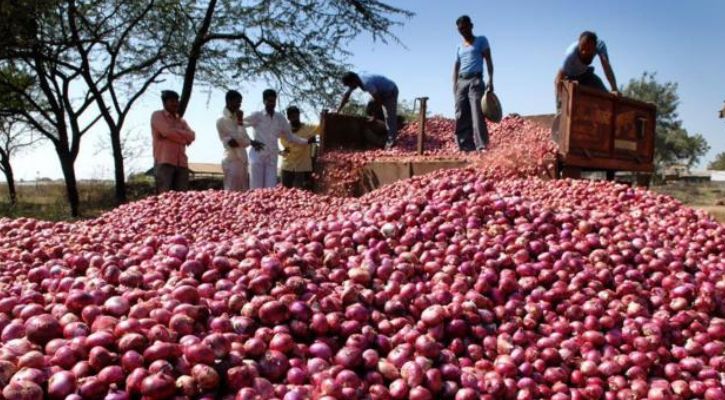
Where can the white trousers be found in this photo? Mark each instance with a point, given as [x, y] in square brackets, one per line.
[236, 175]
[263, 173]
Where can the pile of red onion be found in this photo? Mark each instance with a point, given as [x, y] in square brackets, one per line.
[451, 285]
[517, 148]
[454, 285]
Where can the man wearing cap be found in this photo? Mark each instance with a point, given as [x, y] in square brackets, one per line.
[468, 86]
[577, 64]
[171, 134]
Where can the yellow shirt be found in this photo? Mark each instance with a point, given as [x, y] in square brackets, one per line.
[299, 157]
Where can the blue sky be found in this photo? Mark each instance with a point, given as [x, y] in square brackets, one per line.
[682, 41]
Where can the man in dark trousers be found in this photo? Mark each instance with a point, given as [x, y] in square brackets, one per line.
[383, 91]
[468, 87]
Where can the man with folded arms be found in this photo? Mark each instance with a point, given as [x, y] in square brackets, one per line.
[171, 134]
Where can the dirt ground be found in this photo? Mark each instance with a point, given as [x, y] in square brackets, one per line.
[706, 196]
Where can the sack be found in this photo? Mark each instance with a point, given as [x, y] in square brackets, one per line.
[491, 107]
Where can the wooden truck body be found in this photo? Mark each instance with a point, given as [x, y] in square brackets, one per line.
[601, 131]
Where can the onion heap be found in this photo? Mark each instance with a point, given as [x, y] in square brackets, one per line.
[452, 285]
[462, 284]
[517, 148]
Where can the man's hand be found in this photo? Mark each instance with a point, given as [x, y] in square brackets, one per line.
[371, 119]
[256, 145]
[489, 86]
[232, 143]
[616, 92]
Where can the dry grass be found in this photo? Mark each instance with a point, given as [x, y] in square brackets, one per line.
[707, 196]
[47, 200]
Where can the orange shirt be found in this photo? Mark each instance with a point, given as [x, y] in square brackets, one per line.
[171, 135]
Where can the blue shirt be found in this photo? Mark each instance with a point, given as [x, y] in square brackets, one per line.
[378, 85]
[573, 66]
[471, 57]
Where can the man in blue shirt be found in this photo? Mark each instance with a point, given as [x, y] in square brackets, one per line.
[468, 87]
[384, 92]
[577, 64]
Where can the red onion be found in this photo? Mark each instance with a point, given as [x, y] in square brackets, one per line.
[205, 377]
[61, 384]
[158, 386]
[23, 390]
[40, 329]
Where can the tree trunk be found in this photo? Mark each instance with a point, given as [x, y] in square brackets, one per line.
[120, 174]
[194, 56]
[8, 171]
[71, 185]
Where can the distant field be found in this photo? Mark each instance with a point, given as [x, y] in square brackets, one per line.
[707, 196]
[47, 201]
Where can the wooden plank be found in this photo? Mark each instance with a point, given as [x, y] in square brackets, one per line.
[380, 173]
[591, 124]
[606, 163]
[604, 131]
[425, 167]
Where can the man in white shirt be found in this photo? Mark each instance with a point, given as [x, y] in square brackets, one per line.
[235, 140]
[269, 126]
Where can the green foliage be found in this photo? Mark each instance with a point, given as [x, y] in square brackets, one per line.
[298, 47]
[673, 144]
[718, 163]
[357, 105]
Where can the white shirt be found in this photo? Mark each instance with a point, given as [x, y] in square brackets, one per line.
[228, 129]
[269, 130]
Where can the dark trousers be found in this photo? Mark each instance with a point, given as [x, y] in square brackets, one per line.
[170, 177]
[589, 79]
[471, 130]
[300, 180]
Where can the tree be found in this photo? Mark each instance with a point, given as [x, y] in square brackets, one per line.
[14, 137]
[357, 105]
[52, 103]
[718, 163]
[297, 46]
[91, 60]
[673, 144]
[120, 53]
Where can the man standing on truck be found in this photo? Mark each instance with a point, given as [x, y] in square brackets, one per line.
[577, 64]
[171, 134]
[468, 87]
[384, 92]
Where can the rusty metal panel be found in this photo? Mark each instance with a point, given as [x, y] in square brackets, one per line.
[342, 132]
[380, 173]
[591, 124]
[425, 167]
[599, 130]
[634, 132]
